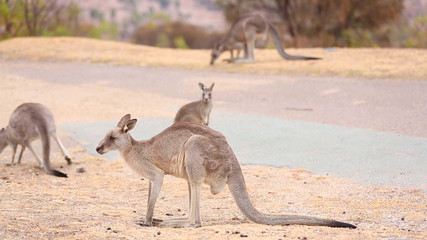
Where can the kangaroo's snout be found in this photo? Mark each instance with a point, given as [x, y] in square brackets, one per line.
[100, 149]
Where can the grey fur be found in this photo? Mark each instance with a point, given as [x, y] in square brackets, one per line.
[199, 155]
[245, 31]
[28, 122]
[197, 111]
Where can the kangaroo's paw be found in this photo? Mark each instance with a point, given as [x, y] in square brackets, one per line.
[144, 223]
[68, 159]
[179, 223]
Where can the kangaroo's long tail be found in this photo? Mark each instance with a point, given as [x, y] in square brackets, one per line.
[44, 137]
[280, 49]
[237, 186]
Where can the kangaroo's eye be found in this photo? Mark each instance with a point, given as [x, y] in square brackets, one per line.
[112, 138]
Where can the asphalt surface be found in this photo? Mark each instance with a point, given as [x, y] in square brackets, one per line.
[372, 130]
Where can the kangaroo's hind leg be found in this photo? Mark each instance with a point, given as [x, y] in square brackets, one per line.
[196, 149]
[28, 145]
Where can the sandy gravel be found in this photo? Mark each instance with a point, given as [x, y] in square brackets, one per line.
[107, 200]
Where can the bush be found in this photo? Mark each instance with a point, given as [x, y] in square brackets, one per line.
[175, 35]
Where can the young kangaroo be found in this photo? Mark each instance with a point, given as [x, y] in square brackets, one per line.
[27, 123]
[197, 111]
[200, 155]
[227, 46]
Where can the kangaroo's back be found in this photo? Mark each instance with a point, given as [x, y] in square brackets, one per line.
[26, 121]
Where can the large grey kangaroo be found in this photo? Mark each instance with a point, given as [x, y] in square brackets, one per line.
[199, 155]
[27, 123]
[197, 111]
[246, 30]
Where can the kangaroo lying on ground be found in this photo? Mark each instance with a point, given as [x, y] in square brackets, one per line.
[197, 111]
[246, 30]
[27, 123]
[198, 154]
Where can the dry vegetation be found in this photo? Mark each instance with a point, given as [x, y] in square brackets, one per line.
[107, 200]
[367, 63]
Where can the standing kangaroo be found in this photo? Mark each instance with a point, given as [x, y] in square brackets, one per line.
[246, 30]
[199, 155]
[27, 123]
[197, 111]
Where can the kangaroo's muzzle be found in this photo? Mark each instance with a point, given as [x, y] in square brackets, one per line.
[100, 149]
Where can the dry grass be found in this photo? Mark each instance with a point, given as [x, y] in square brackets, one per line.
[367, 63]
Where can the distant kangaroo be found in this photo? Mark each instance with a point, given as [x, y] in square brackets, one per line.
[27, 123]
[199, 155]
[227, 46]
[245, 31]
[197, 111]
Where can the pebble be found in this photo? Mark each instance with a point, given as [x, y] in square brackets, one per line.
[243, 235]
[80, 170]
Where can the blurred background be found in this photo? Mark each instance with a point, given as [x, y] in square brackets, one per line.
[198, 24]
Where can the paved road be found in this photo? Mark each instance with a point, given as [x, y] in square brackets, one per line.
[371, 130]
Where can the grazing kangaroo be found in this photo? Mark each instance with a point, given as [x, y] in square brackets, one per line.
[27, 123]
[246, 30]
[197, 111]
[199, 155]
[222, 47]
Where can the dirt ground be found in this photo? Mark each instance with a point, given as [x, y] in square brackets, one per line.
[107, 200]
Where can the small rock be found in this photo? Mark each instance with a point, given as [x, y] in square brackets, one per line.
[158, 233]
[243, 235]
[108, 229]
[169, 214]
[236, 232]
[80, 170]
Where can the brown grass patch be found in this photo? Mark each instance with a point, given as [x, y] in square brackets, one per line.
[366, 63]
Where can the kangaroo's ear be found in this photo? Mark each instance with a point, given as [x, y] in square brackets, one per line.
[123, 121]
[211, 87]
[202, 86]
[129, 125]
